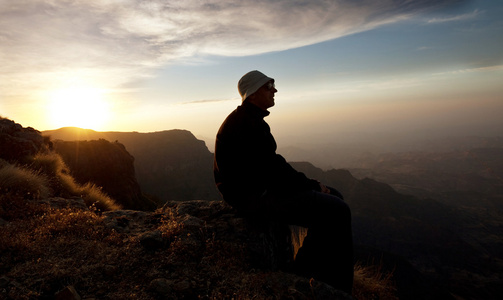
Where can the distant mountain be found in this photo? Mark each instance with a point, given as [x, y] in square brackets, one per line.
[357, 154]
[171, 165]
[452, 177]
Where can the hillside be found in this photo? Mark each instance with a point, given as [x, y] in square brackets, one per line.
[61, 240]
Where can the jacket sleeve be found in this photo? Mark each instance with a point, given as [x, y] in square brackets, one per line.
[284, 176]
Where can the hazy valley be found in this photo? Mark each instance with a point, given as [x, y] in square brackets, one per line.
[463, 176]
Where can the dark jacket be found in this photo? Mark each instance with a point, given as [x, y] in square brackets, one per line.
[246, 164]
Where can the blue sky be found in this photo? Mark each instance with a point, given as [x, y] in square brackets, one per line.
[342, 68]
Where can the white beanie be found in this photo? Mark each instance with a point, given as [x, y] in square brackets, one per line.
[251, 82]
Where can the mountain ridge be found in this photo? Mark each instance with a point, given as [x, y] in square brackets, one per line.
[170, 164]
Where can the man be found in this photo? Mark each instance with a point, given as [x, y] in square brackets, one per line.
[260, 183]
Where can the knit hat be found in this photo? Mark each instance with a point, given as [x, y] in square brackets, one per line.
[251, 82]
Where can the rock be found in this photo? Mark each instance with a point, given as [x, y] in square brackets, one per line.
[269, 244]
[127, 221]
[17, 143]
[59, 202]
[182, 286]
[4, 282]
[152, 240]
[212, 251]
[68, 293]
[303, 288]
[161, 286]
[109, 270]
[191, 223]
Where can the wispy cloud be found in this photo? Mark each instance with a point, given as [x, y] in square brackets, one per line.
[476, 13]
[234, 100]
[496, 68]
[44, 43]
[425, 48]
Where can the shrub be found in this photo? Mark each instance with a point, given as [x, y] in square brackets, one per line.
[94, 196]
[23, 182]
[67, 223]
[60, 180]
[50, 164]
[372, 283]
[63, 184]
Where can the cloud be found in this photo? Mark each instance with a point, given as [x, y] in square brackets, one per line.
[234, 100]
[495, 68]
[45, 43]
[476, 13]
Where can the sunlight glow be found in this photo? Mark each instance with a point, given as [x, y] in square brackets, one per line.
[78, 107]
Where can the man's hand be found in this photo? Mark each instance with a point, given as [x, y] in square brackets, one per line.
[324, 189]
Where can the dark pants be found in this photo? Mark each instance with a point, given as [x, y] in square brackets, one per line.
[327, 251]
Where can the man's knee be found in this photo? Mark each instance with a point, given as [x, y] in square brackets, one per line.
[335, 203]
[341, 213]
[330, 209]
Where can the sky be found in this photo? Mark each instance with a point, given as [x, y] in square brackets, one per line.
[343, 69]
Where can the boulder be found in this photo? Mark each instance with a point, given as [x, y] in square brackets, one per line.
[68, 293]
[17, 143]
[269, 244]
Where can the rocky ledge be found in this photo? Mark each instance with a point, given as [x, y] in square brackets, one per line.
[191, 249]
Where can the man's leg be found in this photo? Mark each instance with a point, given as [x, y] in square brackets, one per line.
[327, 251]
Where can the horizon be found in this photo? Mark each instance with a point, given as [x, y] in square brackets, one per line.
[328, 155]
[343, 72]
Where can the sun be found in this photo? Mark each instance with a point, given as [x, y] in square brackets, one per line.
[78, 107]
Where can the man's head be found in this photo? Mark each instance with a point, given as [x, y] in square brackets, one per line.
[258, 89]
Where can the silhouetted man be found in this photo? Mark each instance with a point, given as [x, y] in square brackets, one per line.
[260, 183]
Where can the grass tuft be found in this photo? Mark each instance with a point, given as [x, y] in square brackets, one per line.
[26, 183]
[45, 176]
[60, 181]
[370, 282]
[94, 196]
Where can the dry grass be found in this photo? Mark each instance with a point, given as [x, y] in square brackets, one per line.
[24, 182]
[49, 163]
[61, 183]
[168, 226]
[53, 248]
[94, 196]
[371, 283]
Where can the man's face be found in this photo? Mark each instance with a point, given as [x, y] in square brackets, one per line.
[264, 96]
